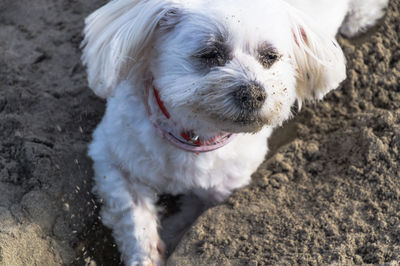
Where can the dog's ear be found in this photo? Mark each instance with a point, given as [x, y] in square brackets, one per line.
[118, 38]
[320, 62]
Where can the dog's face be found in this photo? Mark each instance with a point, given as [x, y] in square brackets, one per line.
[227, 66]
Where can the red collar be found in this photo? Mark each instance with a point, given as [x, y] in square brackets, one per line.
[187, 139]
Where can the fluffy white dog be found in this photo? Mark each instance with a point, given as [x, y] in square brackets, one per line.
[194, 89]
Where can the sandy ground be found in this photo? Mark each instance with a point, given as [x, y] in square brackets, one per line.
[329, 192]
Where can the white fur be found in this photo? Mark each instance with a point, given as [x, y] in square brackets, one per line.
[130, 44]
[362, 14]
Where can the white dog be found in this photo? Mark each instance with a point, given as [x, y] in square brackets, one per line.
[194, 89]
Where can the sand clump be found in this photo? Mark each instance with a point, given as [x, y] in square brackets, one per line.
[329, 191]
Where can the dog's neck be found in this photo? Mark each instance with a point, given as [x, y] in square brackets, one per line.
[185, 139]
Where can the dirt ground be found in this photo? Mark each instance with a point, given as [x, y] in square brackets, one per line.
[329, 191]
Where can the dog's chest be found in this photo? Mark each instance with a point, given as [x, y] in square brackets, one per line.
[176, 171]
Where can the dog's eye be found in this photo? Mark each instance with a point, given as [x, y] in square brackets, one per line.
[268, 57]
[213, 58]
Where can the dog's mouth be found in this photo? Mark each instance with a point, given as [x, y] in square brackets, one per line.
[242, 123]
[248, 126]
[226, 116]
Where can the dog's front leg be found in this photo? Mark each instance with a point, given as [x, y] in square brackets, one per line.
[129, 210]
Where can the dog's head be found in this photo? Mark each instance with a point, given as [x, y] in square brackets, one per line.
[232, 65]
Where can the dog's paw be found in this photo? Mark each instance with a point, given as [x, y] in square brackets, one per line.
[154, 255]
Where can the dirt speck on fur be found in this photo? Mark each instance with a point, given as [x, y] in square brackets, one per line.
[328, 192]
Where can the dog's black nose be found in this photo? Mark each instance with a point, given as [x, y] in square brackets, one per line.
[250, 97]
